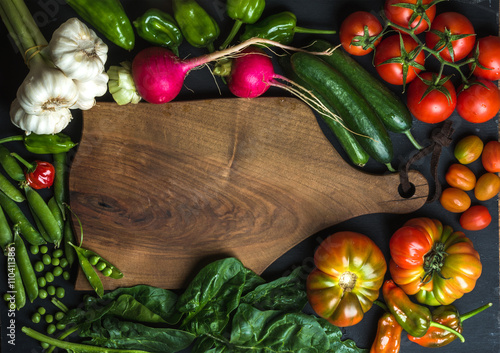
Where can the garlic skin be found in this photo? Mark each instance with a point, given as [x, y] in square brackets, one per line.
[49, 122]
[77, 51]
[88, 90]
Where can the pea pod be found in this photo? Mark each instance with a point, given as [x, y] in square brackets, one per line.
[10, 189]
[40, 226]
[61, 181]
[25, 267]
[43, 144]
[6, 236]
[19, 288]
[16, 216]
[115, 272]
[56, 212]
[10, 164]
[89, 271]
[69, 238]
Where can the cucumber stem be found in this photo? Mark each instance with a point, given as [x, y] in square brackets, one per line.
[412, 139]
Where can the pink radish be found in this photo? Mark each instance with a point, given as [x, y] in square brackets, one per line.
[159, 74]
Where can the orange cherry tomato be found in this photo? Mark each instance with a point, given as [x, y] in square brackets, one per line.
[475, 218]
[455, 200]
[461, 177]
[487, 186]
[491, 157]
[468, 149]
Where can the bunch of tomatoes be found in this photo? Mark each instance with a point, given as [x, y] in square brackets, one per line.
[411, 34]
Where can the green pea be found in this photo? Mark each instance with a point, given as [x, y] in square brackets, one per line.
[59, 315]
[66, 275]
[39, 266]
[60, 326]
[49, 277]
[44, 249]
[36, 318]
[45, 345]
[60, 292]
[51, 290]
[41, 281]
[41, 310]
[100, 266]
[94, 260]
[107, 272]
[57, 271]
[46, 259]
[6, 297]
[42, 293]
[34, 249]
[51, 329]
[63, 263]
[57, 253]
[55, 261]
[49, 318]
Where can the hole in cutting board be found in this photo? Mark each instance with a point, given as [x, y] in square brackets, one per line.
[406, 194]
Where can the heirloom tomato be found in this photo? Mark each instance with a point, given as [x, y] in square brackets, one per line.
[479, 101]
[454, 200]
[461, 177]
[456, 30]
[468, 149]
[489, 57]
[491, 157]
[420, 12]
[396, 66]
[475, 218]
[356, 32]
[349, 272]
[432, 262]
[487, 186]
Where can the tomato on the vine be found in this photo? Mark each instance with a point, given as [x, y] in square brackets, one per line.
[350, 270]
[417, 14]
[433, 262]
[430, 101]
[453, 30]
[475, 218]
[393, 65]
[488, 55]
[478, 101]
[357, 32]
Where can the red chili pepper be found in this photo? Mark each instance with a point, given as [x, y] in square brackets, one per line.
[39, 174]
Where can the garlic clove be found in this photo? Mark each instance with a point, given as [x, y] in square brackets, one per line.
[51, 122]
[88, 90]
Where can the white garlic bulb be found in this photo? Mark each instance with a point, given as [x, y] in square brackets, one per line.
[88, 90]
[49, 122]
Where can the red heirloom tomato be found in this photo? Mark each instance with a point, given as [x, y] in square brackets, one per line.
[353, 30]
[451, 27]
[479, 101]
[349, 272]
[461, 177]
[432, 262]
[429, 102]
[475, 218]
[489, 57]
[487, 186]
[401, 15]
[395, 67]
[491, 157]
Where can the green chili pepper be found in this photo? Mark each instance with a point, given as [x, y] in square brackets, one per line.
[43, 144]
[25, 267]
[16, 216]
[242, 11]
[197, 26]
[89, 271]
[10, 164]
[158, 27]
[280, 27]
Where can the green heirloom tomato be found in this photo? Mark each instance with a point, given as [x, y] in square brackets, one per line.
[349, 272]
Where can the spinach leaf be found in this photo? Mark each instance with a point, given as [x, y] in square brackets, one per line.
[334, 335]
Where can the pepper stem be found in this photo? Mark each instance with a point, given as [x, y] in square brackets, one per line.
[313, 31]
[27, 164]
[474, 312]
[12, 138]
[236, 27]
[449, 329]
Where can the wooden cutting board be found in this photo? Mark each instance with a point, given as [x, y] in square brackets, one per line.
[161, 190]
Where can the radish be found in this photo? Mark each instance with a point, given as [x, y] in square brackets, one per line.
[159, 74]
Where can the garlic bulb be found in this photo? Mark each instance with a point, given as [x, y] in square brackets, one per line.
[121, 84]
[77, 50]
[49, 122]
[88, 90]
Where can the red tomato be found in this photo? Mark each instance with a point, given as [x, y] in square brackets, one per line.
[475, 218]
[407, 65]
[446, 27]
[491, 157]
[401, 16]
[479, 101]
[489, 57]
[352, 32]
[431, 106]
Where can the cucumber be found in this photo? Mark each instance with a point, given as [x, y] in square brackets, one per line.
[346, 139]
[391, 110]
[355, 112]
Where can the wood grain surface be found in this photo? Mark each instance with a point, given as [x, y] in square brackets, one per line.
[163, 189]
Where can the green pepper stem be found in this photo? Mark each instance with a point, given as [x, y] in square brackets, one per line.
[474, 312]
[381, 305]
[313, 31]
[27, 164]
[236, 27]
[12, 138]
[449, 329]
[413, 140]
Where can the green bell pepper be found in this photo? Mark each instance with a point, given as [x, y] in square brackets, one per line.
[158, 27]
[280, 27]
[109, 18]
[242, 11]
[197, 26]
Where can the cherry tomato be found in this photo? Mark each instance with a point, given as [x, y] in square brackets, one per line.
[479, 101]
[491, 157]
[489, 57]
[468, 149]
[487, 186]
[407, 65]
[445, 28]
[431, 106]
[401, 16]
[455, 200]
[352, 32]
[461, 177]
[475, 218]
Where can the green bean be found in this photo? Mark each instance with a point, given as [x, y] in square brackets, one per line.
[6, 236]
[10, 164]
[25, 268]
[88, 270]
[16, 215]
[20, 291]
[60, 182]
[42, 211]
[56, 212]
[10, 189]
